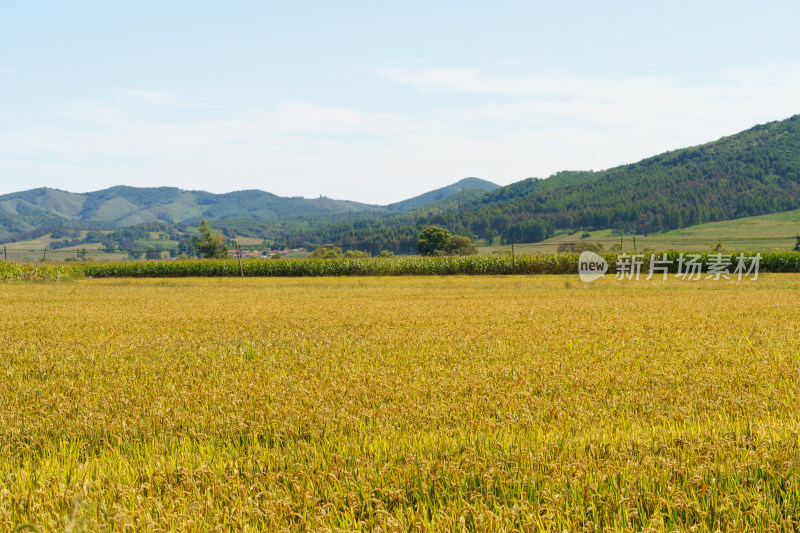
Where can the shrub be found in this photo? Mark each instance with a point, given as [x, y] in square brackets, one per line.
[327, 251]
[459, 245]
[355, 254]
[576, 248]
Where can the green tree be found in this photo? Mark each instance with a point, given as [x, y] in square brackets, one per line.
[460, 245]
[578, 247]
[355, 254]
[433, 241]
[153, 252]
[93, 236]
[327, 251]
[210, 245]
[797, 245]
[186, 246]
[438, 241]
[108, 244]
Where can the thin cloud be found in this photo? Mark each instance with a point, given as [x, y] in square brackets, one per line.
[160, 98]
[733, 97]
[526, 125]
[564, 84]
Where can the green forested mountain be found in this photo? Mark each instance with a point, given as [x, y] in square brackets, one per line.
[38, 210]
[751, 173]
[473, 186]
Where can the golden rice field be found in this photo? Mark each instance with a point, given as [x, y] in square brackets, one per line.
[525, 403]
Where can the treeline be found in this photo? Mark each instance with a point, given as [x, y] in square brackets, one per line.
[128, 240]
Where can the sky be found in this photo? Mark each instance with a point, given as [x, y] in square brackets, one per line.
[376, 101]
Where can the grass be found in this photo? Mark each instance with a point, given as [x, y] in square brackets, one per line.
[34, 250]
[30, 250]
[408, 403]
[763, 233]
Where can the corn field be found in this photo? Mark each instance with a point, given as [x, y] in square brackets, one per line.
[458, 403]
[563, 263]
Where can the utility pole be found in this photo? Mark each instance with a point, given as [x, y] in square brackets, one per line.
[373, 247]
[513, 257]
[634, 243]
[239, 256]
[620, 243]
[5, 253]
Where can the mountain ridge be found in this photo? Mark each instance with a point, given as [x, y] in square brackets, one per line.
[123, 205]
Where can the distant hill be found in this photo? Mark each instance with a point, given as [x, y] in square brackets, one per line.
[754, 172]
[28, 212]
[751, 173]
[467, 184]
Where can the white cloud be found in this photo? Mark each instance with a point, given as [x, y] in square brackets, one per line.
[562, 92]
[515, 127]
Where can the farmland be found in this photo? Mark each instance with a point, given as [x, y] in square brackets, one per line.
[485, 265]
[763, 233]
[400, 403]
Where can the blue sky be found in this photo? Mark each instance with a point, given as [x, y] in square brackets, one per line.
[375, 101]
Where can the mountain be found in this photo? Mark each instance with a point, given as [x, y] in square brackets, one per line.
[467, 184]
[38, 209]
[754, 172]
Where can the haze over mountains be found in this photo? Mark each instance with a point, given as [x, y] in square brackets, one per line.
[750, 173]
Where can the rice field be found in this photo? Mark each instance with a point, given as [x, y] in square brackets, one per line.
[449, 403]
